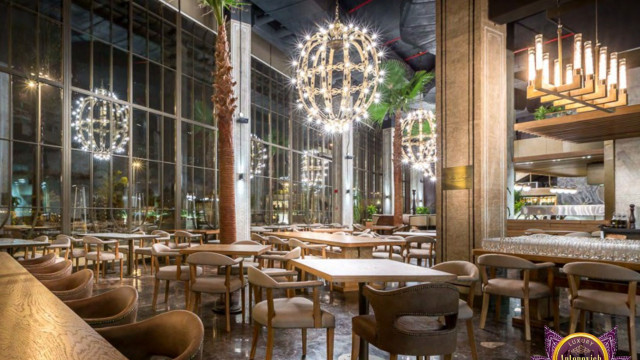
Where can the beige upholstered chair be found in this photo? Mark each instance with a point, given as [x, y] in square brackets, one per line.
[77, 251]
[259, 238]
[421, 248]
[78, 285]
[524, 289]
[44, 260]
[287, 313]
[468, 278]
[308, 248]
[52, 271]
[392, 252]
[158, 337]
[62, 242]
[99, 256]
[278, 245]
[215, 284]
[406, 321]
[248, 261]
[184, 238]
[169, 273]
[600, 301]
[115, 307]
[164, 237]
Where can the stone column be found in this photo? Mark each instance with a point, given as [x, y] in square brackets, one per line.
[240, 48]
[417, 178]
[343, 177]
[471, 105]
[387, 170]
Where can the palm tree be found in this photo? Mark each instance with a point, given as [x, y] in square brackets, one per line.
[224, 103]
[397, 91]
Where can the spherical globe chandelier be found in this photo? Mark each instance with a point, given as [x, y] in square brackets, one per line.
[101, 125]
[337, 74]
[419, 145]
[258, 156]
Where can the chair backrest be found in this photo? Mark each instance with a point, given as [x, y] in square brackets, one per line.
[258, 237]
[260, 279]
[44, 260]
[78, 285]
[162, 250]
[157, 336]
[294, 243]
[505, 261]
[411, 305]
[182, 236]
[601, 271]
[293, 254]
[116, 307]
[41, 238]
[92, 240]
[468, 276]
[276, 242]
[54, 271]
[209, 259]
[420, 240]
[161, 233]
[62, 241]
[579, 234]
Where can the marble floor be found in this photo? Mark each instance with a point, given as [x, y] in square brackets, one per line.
[499, 340]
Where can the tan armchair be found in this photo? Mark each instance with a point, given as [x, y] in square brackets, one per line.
[99, 256]
[392, 252]
[216, 284]
[259, 238]
[278, 245]
[420, 248]
[600, 301]
[78, 285]
[169, 273]
[183, 239]
[524, 288]
[308, 248]
[287, 313]
[406, 321]
[44, 260]
[62, 242]
[115, 307]
[53, 271]
[158, 337]
[468, 278]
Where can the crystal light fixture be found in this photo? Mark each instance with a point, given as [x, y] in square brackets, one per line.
[258, 156]
[583, 84]
[337, 74]
[101, 125]
[419, 145]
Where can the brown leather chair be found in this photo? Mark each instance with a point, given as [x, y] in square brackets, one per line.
[287, 313]
[115, 307]
[174, 335]
[44, 260]
[53, 271]
[406, 321]
[600, 301]
[420, 248]
[468, 278]
[169, 273]
[216, 284]
[522, 289]
[78, 285]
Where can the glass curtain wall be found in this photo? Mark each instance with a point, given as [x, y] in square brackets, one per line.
[128, 49]
[367, 172]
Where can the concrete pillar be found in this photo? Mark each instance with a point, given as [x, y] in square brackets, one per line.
[511, 136]
[240, 48]
[343, 177]
[387, 170]
[417, 179]
[471, 110]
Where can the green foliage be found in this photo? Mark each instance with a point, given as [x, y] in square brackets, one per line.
[542, 111]
[518, 202]
[371, 210]
[398, 89]
[218, 7]
[422, 210]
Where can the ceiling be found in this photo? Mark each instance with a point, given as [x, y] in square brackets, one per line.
[406, 28]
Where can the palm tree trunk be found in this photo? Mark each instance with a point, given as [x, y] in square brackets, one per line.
[397, 170]
[224, 103]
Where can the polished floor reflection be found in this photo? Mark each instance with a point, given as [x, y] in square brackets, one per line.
[499, 340]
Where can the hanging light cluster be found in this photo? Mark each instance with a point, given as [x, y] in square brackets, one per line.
[258, 156]
[594, 80]
[314, 170]
[337, 74]
[419, 144]
[101, 125]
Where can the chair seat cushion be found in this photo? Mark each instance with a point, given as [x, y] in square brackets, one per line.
[104, 256]
[215, 284]
[294, 313]
[173, 245]
[514, 288]
[385, 255]
[75, 253]
[421, 253]
[606, 302]
[464, 311]
[169, 272]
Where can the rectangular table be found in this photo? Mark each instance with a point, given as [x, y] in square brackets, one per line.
[11, 244]
[37, 325]
[431, 233]
[130, 238]
[228, 249]
[363, 271]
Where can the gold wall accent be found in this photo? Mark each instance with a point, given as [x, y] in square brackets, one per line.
[457, 178]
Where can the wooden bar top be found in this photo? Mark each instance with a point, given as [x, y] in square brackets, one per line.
[37, 325]
[369, 270]
[346, 241]
[228, 249]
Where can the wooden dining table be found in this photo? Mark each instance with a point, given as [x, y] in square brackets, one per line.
[130, 238]
[38, 325]
[363, 271]
[11, 244]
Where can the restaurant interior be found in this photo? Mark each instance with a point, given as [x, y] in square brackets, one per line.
[344, 179]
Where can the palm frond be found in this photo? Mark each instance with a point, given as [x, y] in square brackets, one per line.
[218, 7]
[377, 112]
[417, 84]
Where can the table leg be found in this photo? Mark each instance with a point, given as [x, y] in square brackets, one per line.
[130, 260]
[363, 309]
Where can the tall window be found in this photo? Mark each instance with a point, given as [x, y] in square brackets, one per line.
[367, 179]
